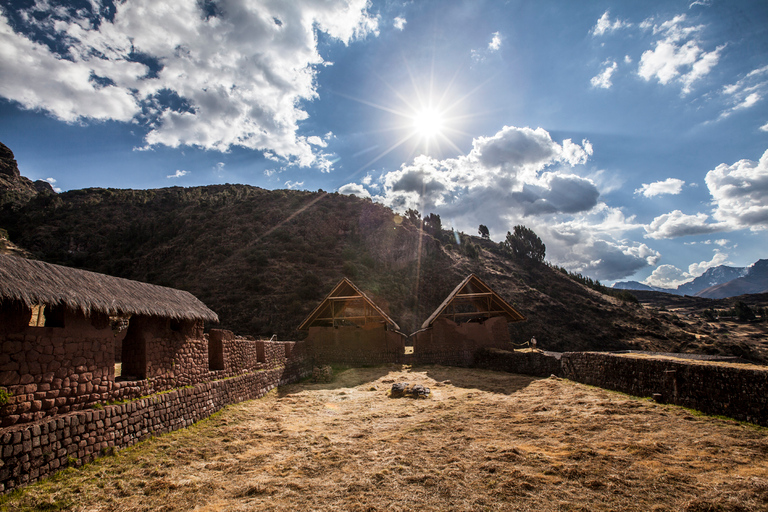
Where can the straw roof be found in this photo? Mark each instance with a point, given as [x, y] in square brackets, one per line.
[35, 282]
[471, 299]
[344, 305]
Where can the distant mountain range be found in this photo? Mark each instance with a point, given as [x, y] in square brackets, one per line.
[716, 283]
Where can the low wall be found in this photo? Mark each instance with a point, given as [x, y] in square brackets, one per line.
[538, 364]
[739, 393]
[35, 450]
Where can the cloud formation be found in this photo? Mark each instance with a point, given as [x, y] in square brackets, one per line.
[671, 186]
[178, 174]
[603, 79]
[745, 93]
[740, 193]
[399, 23]
[495, 43]
[678, 56]
[194, 73]
[605, 25]
[740, 198]
[520, 176]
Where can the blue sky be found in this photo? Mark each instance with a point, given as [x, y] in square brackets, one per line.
[631, 136]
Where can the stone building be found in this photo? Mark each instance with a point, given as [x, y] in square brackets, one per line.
[58, 349]
[473, 316]
[348, 327]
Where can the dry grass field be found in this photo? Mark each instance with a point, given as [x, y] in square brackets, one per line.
[482, 441]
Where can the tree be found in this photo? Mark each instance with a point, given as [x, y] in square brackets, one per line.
[524, 242]
[414, 216]
[483, 232]
[434, 226]
[743, 311]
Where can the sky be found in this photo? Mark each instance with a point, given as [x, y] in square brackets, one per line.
[632, 137]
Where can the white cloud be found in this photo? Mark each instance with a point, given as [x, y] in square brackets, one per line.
[354, 189]
[671, 186]
[764, 128]
[697, 269]
[178, 174]
[495, 43]
[521, 176]
[317, 141]
[669, 276]
[603, 79]
[237, 77]
[52, 181]
[399, 23]
[745, 93]
[677, 223]
[740, 193]
[678, 56]
[739, 196]
[604, 25]
[290, 185]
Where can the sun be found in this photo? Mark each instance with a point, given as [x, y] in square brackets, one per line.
[428, 123]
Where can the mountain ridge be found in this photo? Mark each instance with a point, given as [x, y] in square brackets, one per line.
[263, 260]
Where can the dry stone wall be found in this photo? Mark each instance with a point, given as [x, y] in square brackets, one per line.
[737, 392]
[35, 450]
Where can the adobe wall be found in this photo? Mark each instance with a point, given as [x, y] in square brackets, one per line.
[35, 450]
[737, 392]
[449, 343]
[354, 345]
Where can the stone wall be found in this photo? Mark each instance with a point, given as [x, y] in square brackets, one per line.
[737, 392]
[538, 364]
[740, 393]
[55, 370]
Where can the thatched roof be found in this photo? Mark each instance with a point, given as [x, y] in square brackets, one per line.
[35, 282]
[473, 299]
[346, 304]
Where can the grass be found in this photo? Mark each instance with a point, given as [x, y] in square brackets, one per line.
[483, 441]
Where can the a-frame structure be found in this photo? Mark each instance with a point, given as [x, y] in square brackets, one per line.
[347, 305]
[472, 299]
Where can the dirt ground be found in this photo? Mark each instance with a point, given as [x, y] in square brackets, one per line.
[483, 441]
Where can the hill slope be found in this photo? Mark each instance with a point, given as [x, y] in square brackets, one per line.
[263, 259]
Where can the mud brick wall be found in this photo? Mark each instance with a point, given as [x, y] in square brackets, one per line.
[52, 370]
[35, 450]
[537, 364]
[354, 345]
[447, 342]
[740, 393]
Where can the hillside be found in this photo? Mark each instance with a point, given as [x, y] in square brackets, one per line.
[263, 259]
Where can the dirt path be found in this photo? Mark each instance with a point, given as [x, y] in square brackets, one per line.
[483, 441]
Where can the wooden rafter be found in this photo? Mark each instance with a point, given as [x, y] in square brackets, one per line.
[344, 304]
[474, 292]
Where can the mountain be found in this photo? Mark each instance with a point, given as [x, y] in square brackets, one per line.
[14, 188]
[712, 277]
[753, 280]
[635, 285]
[264, 259]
